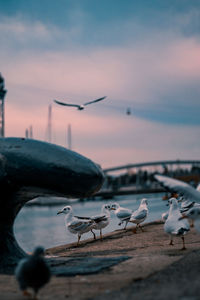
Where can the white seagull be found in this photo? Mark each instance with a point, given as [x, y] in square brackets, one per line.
[186, 206]
[165, 216]
[174, 225]
[190, 195]
[140, 214]
[74, 224]
[182, 188]
[194, 215]
[100, 221]
[79, 106]
[121, 213]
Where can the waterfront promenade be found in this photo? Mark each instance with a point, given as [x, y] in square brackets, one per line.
[151, 269]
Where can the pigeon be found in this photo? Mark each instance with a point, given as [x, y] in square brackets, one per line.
[74, 224]
[121, 213]
[79, 106]
[33, 272]
[140, 214]
[174, 225]
[100, 221]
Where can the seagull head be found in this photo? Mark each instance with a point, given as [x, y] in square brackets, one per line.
[173, 203]
[144, 201]
[106, 207]
[81, 107]
[114, 206]
[39, 251]
[65, 210]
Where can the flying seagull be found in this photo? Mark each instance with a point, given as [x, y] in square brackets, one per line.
[190, 205]
[82, 106]
[182, 188]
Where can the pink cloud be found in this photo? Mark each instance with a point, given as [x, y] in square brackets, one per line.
[129, 74]
[109, 140]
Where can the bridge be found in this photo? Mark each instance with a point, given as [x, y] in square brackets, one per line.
[141, 181]
[162, 163]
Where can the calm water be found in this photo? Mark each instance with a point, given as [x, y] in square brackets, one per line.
[42, 226]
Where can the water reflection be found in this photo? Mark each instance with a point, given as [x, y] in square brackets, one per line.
[42, 226]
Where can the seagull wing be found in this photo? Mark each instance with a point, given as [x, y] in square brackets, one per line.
[66, 104]
[97, 100]
[100, 218]
[82, 218]
[179, 186]
[198, 187]
[124, 214]
[78, 225]
[96, 219]
[139, 214]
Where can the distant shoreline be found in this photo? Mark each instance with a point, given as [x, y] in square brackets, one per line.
[102, 195]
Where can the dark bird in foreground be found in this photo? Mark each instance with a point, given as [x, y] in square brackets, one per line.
[33, 272]
[82, 106]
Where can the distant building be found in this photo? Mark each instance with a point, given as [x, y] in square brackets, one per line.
[2, 96]
[1, 83]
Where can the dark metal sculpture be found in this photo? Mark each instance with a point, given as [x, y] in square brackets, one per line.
[31, 168]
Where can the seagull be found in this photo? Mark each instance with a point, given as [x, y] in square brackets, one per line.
[174, 225]
[33, 272]
[187, 205]
[74, 224]
[100, 221]
[82, 106]
[180, 187]
[128, 111]
[194, 215]
[140, 214]
[122, 213]
[165, 216]
[190, 196]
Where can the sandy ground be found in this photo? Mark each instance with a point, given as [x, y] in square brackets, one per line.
[154, 270]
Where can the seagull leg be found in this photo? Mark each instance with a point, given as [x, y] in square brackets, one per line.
[141, 227]
[26, 293]
[171, 242]
[125, 225]
[183, 239]
[192, 223]
[101, 235]
[79, 237]
[135, 229]
[93, 234]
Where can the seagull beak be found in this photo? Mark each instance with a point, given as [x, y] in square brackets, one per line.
[59, 212]
[112, 208]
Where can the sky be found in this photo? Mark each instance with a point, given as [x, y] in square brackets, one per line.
[140, 54]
